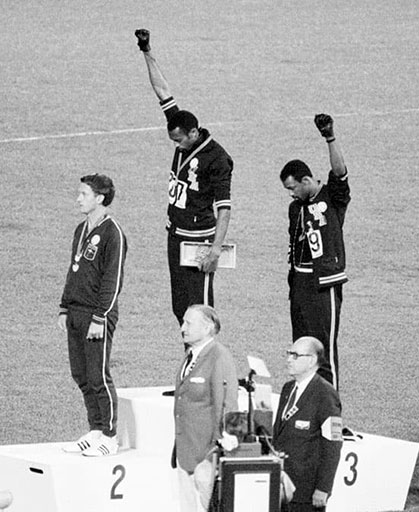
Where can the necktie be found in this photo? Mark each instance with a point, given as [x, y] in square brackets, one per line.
[186, 364]
[291, 402]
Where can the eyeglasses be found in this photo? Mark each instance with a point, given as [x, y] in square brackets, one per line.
[296, 355]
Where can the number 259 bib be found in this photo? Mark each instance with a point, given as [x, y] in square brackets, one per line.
[314, 239]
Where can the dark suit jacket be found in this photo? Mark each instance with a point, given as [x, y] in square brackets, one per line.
[200, 400]
[312, 458]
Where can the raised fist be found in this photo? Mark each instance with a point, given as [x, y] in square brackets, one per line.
[143, 36]
[324, 123]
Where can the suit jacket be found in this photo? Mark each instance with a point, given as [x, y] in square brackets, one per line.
[209, 390]
[311, 437]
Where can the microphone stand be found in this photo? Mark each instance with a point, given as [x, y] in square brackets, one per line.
[250, 387]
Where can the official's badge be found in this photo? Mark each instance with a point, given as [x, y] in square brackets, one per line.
[302, 425]
[290, 413]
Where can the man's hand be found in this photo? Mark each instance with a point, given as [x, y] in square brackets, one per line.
[143, 36]
[324, 123]
[319, 498]
[95, 331]
[228, 442]
[62, 322]
[210, 261]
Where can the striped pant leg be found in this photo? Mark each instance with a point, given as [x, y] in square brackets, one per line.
[100, 379]
[332, 302]
[316, 313]
[77, 326]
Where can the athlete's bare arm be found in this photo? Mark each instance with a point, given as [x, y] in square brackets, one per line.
[210, 262]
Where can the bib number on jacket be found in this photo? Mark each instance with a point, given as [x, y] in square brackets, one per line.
[314, 238]
[178, 192]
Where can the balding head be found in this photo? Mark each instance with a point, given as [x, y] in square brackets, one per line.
[312, 345]
[305, 357]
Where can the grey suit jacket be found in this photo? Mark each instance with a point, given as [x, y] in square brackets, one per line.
[208, 391]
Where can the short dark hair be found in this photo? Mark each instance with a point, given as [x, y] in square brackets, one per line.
[100, 184]
[295, 168]
[209, 314]
[184, 120]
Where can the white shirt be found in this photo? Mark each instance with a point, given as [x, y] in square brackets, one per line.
[196, 350]
[303, 384]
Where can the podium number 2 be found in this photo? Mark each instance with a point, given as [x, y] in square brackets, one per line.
[353, 459]
[117, 469]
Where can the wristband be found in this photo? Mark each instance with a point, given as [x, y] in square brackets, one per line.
[330, 140]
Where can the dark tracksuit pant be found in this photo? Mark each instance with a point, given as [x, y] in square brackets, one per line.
[316, 312]
[189, 285]
[89, 364]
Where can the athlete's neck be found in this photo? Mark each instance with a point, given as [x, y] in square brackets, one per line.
[315, 190]
[93, 218]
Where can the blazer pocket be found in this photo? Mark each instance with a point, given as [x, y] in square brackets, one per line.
[197, 380]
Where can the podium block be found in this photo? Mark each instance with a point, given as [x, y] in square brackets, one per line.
[42, 478]
[373, 475]
[146, 420]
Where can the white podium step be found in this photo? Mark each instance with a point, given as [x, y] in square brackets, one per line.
[42, 478]
[373, 475]
[374, 472]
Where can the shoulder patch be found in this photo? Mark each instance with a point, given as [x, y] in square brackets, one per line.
[332, 428]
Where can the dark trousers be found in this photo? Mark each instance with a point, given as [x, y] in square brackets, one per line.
[316, 312]
[189, 285]
[89, 364]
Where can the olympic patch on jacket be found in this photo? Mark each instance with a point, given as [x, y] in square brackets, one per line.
[90, 252]
[192, 178]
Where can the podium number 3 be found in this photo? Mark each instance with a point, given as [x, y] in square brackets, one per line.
[121, 470]
[353, 459]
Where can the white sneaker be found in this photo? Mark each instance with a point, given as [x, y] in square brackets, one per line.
[105, 446]
[87, 441]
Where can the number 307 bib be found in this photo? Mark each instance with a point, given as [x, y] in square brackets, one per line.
[178, 192]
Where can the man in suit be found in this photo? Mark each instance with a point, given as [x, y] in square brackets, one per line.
[206, 388]
[308, 427]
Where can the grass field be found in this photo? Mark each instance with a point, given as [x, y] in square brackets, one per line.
[76, 100]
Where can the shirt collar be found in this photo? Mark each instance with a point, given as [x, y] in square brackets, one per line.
[196, 350]
[302, 385]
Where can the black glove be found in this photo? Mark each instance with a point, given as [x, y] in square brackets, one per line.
[143, 36]
[324, 124]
